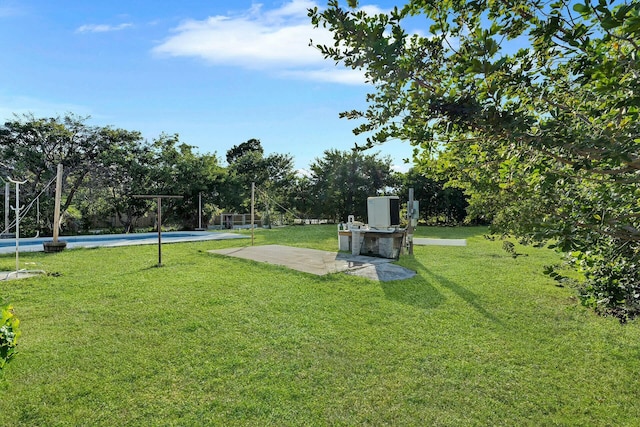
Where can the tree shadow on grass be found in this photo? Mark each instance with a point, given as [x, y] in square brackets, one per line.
[416, 292]
[425, 294]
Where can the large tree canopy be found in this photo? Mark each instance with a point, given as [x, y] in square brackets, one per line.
[341, 182]
[273, 176]
[104, 168]
[531, 105]
[439, 203]
[31, 148]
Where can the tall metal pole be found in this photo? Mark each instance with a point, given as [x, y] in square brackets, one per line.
[159, 199]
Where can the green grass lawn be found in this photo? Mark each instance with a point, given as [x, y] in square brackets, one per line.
[476, 338]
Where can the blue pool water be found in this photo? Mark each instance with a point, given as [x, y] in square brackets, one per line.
[110, 240]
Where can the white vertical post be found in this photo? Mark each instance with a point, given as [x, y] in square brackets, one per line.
[17, 228]
[200, 210]
[56, 212]
[159, 231]
[253, 202]
[17, 210]
[410, 214]
[7, 190]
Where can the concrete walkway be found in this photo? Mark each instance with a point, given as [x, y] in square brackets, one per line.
[421, 241]
[320, 262]
[12, 275]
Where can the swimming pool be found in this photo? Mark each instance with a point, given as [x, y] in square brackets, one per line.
[112, 240]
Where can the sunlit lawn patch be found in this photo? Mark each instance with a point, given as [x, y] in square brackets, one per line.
[476, 338]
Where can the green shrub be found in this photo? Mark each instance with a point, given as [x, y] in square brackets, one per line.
[9, 333]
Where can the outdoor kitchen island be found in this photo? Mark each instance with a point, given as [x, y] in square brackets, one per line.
[382, 243]
[382, 236]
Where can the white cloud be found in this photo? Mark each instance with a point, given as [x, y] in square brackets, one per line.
[242, 42]
[276, 40]
[328, 75]
[373, 10]
[102, 28]
[402, 167]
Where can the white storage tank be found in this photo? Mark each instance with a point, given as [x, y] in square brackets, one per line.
[383, 212]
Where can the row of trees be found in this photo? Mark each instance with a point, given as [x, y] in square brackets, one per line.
[531, 106]
[104, 168]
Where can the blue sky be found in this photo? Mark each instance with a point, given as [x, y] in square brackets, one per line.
[215, 72]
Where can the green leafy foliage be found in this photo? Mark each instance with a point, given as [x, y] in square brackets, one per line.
[439, 203]
[104, 168]
[9, 334]
[177, 168]
[531, 107]
[341, 182]
[272, 174]
[31, 149]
